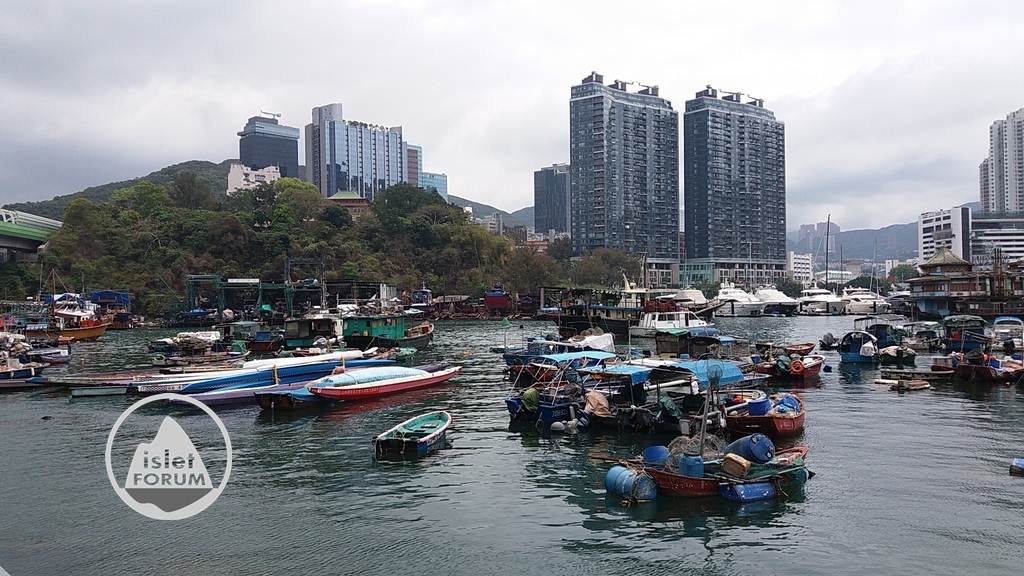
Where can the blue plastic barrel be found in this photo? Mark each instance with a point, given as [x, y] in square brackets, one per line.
[692, 466]
[757, 448]
[639, 486]
[612, 477]
[759, 407]
[747, 492]
[655, 455]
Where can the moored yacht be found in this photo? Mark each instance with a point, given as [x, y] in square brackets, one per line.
[821, 301]
[776, 303]
[864, 301]
[736, 302]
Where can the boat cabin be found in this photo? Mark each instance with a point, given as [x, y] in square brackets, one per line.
[888, 329]
[693, 342]
[852, 347]
[669, 320]
[384, 327]
[302, 332]
[1008, 328]
[238, 331]
[964, 333]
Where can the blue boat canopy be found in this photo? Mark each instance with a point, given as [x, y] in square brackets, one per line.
[569, 356]
[1008, 320]
[702, 369]
[637, 374]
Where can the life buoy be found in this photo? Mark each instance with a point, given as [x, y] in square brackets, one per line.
[796, 367]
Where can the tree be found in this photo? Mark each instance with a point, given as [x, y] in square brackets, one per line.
[190, 191]
[605, 268]
[560, 249]
[145, 198]
[394, 206]
[302, 198]
[337, 216]
[789, 287]
[526, 270]
[903, 272]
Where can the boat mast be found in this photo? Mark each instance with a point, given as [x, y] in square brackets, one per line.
[828, 226]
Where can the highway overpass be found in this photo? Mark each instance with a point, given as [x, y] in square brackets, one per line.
[24, 232]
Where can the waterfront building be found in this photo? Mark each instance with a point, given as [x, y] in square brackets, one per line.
[551, 199]
[413, 163]
[996, 231]
[735, 187]
[1001, 174]
[241, 177]
[264, 142]
[624, 173]
[944, 229]
[356, 205]
[951, 285]
[348, 156]
[834, 276]
[436, 182]
[800, 267]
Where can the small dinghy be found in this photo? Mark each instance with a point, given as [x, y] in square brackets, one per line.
[415, 438]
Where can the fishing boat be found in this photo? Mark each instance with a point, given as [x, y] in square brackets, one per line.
[923, 336]
[497, 300]
[653, 322]
[1008, 328]
[540, 346]
[963, 333]
[58, 327]
[245, 392]
[306, 331]
[375, 382]
[298, 399]
[858, 347]
[12, 370]
[792, 368]
[888, 329]
[977, 366]
[415, 438]
[897, 355]
[396, 330]
[736, 302]
[786, 469]
[777, 416]
[695, 343]
[266, 342]
[775, 349]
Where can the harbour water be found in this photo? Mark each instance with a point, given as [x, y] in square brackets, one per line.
[906, 484]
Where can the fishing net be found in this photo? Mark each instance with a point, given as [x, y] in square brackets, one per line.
[690, 446]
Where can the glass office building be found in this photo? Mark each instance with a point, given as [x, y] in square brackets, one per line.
[436, 182]
[348, 156]
[264, 142]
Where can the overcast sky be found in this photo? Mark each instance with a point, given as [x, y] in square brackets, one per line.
[886, 104]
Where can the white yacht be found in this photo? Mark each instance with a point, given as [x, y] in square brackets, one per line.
[863, 301]
[776, 302]
[736, 302]
[652, 322]
[691, 298]
[821, 301]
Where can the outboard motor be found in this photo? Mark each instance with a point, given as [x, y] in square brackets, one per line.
[828, 341]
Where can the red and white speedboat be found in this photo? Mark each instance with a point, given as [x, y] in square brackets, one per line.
[365, 384]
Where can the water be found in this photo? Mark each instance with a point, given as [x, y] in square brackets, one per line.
[911, 484]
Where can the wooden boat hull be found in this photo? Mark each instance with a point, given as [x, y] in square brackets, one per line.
[23, 373]
[386, 387]
[414, 443]
[265, 347]
[76, 334]
[774, 426]
[685, 486]
[987, 374]
[365, 342]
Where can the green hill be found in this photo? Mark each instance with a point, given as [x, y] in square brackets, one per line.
[215, 174]
[521, 217]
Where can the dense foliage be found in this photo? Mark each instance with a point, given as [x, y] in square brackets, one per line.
[149, 236]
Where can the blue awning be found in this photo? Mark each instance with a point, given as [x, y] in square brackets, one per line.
[728, 372]
[636, 374]
[568, 356]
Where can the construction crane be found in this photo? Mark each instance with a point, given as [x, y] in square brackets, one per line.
[273, 115]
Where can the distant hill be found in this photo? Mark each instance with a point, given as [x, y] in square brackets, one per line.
[521, 217]
[215, 174]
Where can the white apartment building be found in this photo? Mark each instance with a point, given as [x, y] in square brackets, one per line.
[241, 177]
[1001, 175]
[944, 229]
[800, 267]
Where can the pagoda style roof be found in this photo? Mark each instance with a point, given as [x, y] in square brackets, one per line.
[944, 257]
